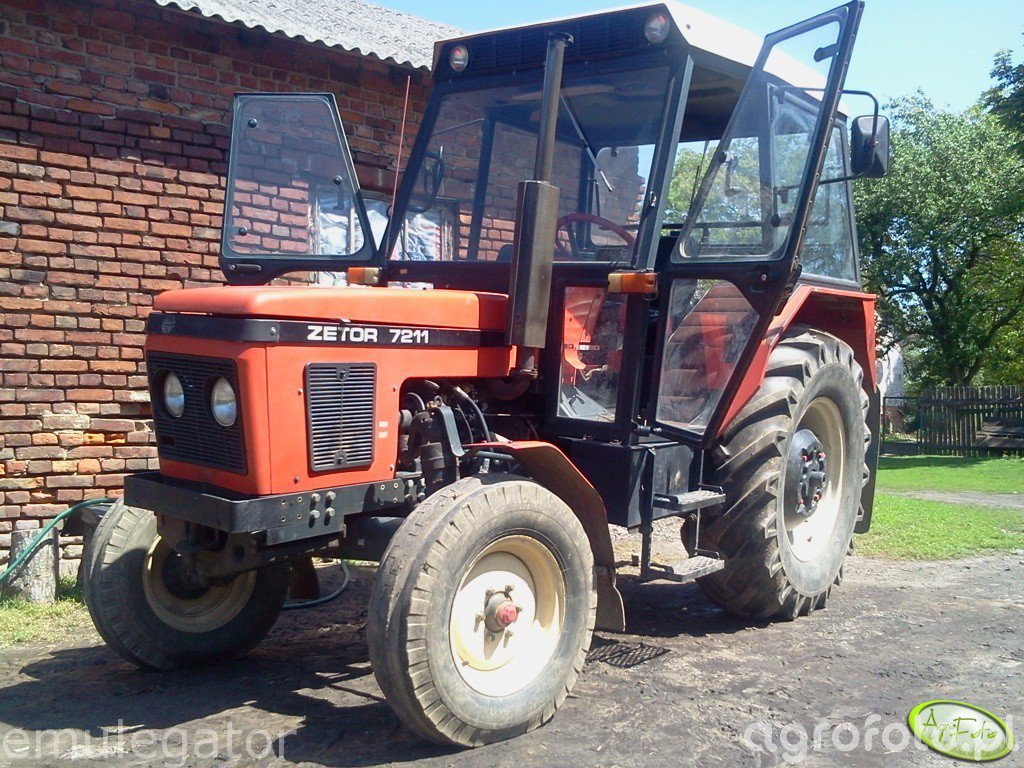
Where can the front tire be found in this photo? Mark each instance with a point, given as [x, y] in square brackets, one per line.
[151, 614]
[482, 611]
[792, 465]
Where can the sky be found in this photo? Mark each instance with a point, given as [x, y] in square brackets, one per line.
[943, 47]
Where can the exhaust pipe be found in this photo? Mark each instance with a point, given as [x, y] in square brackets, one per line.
[533, 245]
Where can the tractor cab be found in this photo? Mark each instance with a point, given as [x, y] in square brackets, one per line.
[680, 147]
[618, 283]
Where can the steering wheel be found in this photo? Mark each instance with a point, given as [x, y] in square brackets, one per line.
[588, 218]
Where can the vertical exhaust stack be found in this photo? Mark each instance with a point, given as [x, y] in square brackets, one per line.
[536, 226]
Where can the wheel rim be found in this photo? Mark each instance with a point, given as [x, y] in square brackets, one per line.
[813, 494]
[188, 606]
[507, 616]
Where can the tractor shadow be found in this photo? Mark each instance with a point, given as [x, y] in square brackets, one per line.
[663, 609]
[309, 682]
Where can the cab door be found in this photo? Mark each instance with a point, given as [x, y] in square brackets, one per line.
[735, 260]
[292, 202]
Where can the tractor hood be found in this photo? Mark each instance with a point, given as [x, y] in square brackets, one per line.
[391, 306]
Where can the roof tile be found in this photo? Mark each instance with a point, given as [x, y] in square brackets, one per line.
[353, 25]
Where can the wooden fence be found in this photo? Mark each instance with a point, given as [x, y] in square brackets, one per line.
[946, 420]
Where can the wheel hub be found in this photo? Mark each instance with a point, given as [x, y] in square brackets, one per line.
[500, 612]
[807, 473]
[180, 581]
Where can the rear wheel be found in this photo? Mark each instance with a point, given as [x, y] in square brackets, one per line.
[482, 611]
[792, 466]
[150, 611]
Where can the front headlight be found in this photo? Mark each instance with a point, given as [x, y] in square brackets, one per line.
[174, 395]
[223, 403]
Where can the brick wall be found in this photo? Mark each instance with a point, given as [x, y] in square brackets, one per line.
[113, 138]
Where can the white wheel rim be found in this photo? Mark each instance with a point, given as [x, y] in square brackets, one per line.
[214, 608]
[810, 536]
[499, 661]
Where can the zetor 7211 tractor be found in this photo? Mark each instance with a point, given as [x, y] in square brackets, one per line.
[618, 283]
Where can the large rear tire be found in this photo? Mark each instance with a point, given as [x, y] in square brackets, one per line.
[150, 613]
[792, 465]
[482, 611]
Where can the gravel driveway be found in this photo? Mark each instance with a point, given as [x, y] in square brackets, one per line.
[688, 686]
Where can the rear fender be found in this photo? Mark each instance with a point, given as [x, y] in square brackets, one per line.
[551, 468]
[848, 315]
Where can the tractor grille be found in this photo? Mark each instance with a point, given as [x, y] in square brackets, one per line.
[194, 437]
[339, 406]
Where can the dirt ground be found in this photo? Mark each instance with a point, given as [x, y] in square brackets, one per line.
[687, 686]
[1005, 500]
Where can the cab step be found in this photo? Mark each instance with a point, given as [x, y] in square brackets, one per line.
[690, 569]
[681, 503]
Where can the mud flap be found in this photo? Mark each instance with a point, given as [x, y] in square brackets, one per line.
[551, 468]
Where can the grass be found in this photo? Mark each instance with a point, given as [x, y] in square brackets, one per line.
[24, 622]
[950, 473]
[912, 529]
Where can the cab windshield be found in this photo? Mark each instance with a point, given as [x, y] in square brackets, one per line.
[483, 142]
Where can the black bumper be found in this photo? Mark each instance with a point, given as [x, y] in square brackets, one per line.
[281, 518]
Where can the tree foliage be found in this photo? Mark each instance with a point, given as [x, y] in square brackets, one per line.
[1006, 99]
[942, 238]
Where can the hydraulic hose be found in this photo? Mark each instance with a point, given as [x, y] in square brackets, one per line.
[17, 562]
[321, 600]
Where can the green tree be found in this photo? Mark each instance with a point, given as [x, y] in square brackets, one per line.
[942, 238]
[1006, 99]
[1005, 363]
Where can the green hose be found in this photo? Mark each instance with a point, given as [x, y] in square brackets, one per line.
[42, 535]
[82, 505]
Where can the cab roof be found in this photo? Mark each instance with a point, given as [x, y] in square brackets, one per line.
[718, 47]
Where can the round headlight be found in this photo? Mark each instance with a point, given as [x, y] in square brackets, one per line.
[223, 403]
[458, 59]
[174, 395]
[657, 28]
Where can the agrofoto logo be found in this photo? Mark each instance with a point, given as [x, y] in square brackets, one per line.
[961, 730]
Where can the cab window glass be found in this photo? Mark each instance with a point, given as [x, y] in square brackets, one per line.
[608, 124]
[709, 323]
[290, 189]
[828, 244]
[592, 342]
[745, 203]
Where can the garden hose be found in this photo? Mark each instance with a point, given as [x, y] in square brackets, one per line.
[41, 536]
[16, 563]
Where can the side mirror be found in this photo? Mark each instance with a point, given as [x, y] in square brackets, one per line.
[870, 153]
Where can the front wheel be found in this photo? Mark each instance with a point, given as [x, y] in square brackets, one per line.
[482, 611]
[792, 467]
[151, 612]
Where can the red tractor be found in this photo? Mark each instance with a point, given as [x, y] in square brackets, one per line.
[619, 283]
